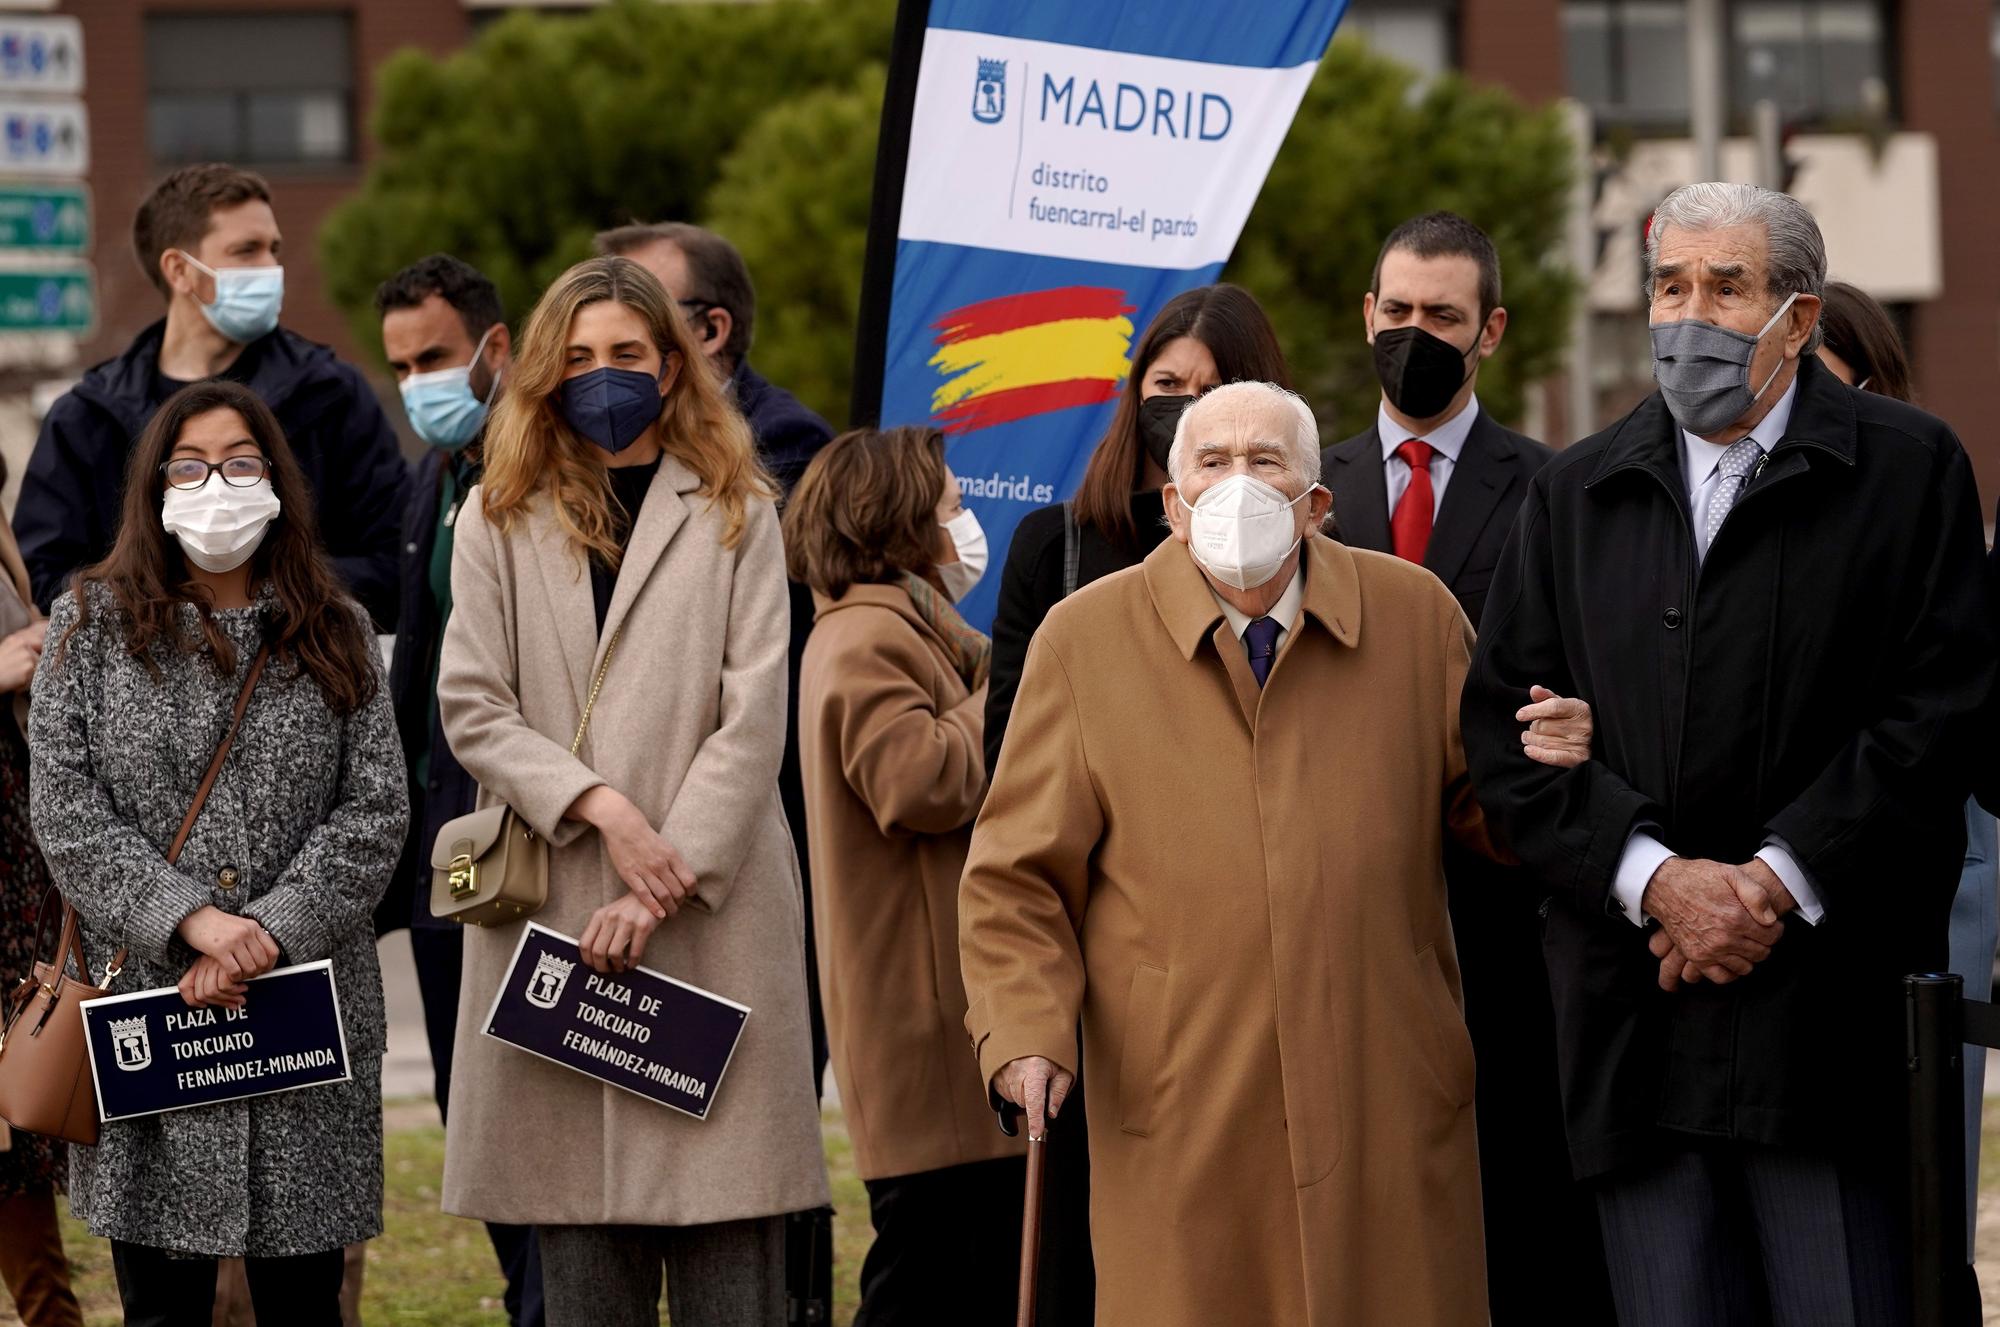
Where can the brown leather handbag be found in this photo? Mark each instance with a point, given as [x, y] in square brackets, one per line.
[46, 1085]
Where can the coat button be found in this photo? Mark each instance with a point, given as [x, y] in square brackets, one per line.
[226, 878]
[1671, 619]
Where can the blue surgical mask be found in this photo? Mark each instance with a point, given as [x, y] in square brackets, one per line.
[247, 299]
[442, 407]
[611, 407]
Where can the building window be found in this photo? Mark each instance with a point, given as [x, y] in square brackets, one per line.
[254, 89]
[1418, 33]
[1628, 59]
[1822, 61]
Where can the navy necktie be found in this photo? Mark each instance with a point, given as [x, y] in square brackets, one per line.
[1261, 639]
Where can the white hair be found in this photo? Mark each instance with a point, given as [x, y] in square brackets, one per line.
[1305, 429]
[1795, 253]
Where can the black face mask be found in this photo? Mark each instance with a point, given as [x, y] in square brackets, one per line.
[1420, 373]
[1159, 416]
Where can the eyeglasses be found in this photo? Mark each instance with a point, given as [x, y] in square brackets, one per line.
[238, 471]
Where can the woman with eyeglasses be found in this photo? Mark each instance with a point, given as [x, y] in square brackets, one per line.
[217, 571]
[623, 543]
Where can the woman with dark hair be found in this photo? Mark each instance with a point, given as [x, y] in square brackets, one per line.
[1861, 343]
[32, 1264]
[891, 700]
[216, 588]
[1864, 350]
[1200, 339]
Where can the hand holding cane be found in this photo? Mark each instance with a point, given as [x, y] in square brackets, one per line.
[1031, 1215]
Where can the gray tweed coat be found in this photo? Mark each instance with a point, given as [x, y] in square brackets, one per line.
[310, 810]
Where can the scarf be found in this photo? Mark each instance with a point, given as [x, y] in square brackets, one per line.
[970, 652]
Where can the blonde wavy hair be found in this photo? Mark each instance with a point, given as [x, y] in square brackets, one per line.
[530, 449]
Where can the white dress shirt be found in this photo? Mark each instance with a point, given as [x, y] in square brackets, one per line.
[1447, 442]
[1285, 611]
[1643, 852]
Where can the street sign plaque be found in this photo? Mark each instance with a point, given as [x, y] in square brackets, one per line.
[50, 137]
[41, 54]
[53, 218]
[49, 299]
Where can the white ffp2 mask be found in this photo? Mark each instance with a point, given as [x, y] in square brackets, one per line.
[1241, 530]
[969, 538]
[219, 525]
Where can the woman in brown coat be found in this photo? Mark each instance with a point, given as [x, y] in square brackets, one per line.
[623, 531]
[891, 699]
[31, 1251]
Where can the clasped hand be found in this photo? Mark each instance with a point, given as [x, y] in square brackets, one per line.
[1717, 921]
[233, 949]
[658, 876]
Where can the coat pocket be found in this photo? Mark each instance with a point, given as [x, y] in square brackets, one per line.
[1448, 1050]
[1139, 1065]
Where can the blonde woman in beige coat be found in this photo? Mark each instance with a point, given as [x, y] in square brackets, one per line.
[621, 503]
[892, 698]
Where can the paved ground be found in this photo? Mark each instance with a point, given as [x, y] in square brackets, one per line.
[406, 1070]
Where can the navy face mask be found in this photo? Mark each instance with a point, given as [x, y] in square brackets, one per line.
[611, 407]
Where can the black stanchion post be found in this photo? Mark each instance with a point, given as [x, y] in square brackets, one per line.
[1936, 1064]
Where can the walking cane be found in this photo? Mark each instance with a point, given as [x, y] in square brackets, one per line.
[1031, 1216]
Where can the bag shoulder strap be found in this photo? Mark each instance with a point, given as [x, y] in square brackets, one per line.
[221, 754]
[1072, 550]
[596, 684]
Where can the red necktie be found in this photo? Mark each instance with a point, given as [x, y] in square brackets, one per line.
[1410, 527]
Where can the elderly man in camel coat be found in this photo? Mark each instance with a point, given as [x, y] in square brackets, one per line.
[1220, 848]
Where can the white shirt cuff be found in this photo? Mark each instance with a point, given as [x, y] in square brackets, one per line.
[1643, 855]
[1778, 857]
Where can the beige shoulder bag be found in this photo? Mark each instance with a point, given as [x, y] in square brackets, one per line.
[491, 867]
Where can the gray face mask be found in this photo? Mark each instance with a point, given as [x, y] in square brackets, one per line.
[1704, 371]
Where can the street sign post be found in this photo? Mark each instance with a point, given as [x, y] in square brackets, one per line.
[48, 299]
[50, 218]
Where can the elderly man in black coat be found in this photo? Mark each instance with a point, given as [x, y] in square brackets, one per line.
[1770, 588]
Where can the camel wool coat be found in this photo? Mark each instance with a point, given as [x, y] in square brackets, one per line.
[890, 746]
[1240, 892]
[689, 725]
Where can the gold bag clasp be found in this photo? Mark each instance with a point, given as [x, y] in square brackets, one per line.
[463, 874]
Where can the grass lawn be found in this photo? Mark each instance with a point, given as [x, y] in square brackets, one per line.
[429, 1268]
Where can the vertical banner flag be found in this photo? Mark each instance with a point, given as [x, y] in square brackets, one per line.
[1050, 174]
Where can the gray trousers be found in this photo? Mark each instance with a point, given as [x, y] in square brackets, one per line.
[730, 1274]
[1731, 1235]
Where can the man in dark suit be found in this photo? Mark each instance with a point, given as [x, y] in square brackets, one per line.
[445, 336]
[1438, 482]
[1770, 588]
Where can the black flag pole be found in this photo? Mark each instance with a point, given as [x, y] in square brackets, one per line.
[878, 268]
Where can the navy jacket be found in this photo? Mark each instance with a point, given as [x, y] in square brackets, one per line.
[67, 514]
[788, 434]
[449, 792]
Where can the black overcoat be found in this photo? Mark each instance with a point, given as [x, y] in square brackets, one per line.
[1814, 679]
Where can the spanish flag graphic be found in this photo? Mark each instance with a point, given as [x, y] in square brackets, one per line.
[1019, 355]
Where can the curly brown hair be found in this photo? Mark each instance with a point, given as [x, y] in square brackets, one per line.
[865, 511]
